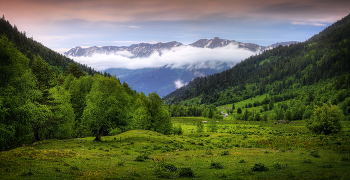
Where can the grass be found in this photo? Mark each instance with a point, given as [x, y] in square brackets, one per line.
[239, 150]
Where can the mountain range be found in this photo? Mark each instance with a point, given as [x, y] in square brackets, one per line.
[166, 78]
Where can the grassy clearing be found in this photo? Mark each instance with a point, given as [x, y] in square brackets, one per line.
[239, 150]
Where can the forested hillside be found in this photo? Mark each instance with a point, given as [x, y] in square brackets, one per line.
[44, 95]
[31, 48]
[313, 72]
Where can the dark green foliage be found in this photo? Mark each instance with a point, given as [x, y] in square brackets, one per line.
[142, 157]
[31, 49]
[200, 127]
[186, 172]
[239, 110]
[286, 73]
[178, 130]
[306, 161]
[325, 120]
[314, 153]
[225, 153]
[216, 165]
[241, 161]
[259, 167]
[278, 165]
[74, 70]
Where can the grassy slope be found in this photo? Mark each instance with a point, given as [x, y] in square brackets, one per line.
[288, 145]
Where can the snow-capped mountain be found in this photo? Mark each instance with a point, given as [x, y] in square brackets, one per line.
[138, 50]
[166, 79]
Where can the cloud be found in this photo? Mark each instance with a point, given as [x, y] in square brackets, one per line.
[135, 27]
[308, 23]
[179, 83]
[178, 57]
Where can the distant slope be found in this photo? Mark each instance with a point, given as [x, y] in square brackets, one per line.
[275, 71]
[162, 79]
[31, 48]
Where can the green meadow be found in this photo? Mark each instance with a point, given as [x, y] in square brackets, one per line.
[237, 150]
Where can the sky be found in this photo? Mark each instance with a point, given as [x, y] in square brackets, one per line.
[64, 24]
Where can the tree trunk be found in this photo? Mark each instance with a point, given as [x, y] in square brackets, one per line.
[36, 134]
[99, 135]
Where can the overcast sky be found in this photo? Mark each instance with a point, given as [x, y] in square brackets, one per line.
[63, 24]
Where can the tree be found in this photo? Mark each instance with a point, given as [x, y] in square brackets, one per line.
[160, 118]
[74, 70]
[17, 91]
[288, 115]
[233, 106]
[107, 106]
[239, 110]
[264, 118]
[271, 104]
[257, 117]
[325, 119]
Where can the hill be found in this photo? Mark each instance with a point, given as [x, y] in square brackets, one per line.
[282, 73]
[31, 48]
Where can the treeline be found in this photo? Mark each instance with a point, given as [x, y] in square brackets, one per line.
[36, 103]
[31, 48]
[301, 103]
[178, 110]
[275, 71]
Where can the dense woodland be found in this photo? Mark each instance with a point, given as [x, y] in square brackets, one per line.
[44, 95]
[302, 76]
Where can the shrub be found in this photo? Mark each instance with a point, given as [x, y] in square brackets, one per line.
[345, 159]
[170, 167]
[200, 127]
[186, 172]
[259, 167]
[325, 119]
[75, 168]
[239, 110]
[224, 153]
[216, 165]
[241, 161]
[277, 165]
[178, 130]
[314, 153]
[142, 157]
[306, 161]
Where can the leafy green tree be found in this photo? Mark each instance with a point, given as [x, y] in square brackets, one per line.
[239, 110]
[288, 115]
[264, 117]
[107, 106]
[160, 118]
[46, 78]
[271, 104]
[17, 91]
[74, 70]
[325, 120]
[233, 106]
[257, 117]
[246, 115]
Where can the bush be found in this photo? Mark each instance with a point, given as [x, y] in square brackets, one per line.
[259, 167]
[306, 161]
[186, 172]
[142, 157]
[239, 110]
[216, 165]
[224, 153]
[325, 119]
[314, 153]
[178, 130]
